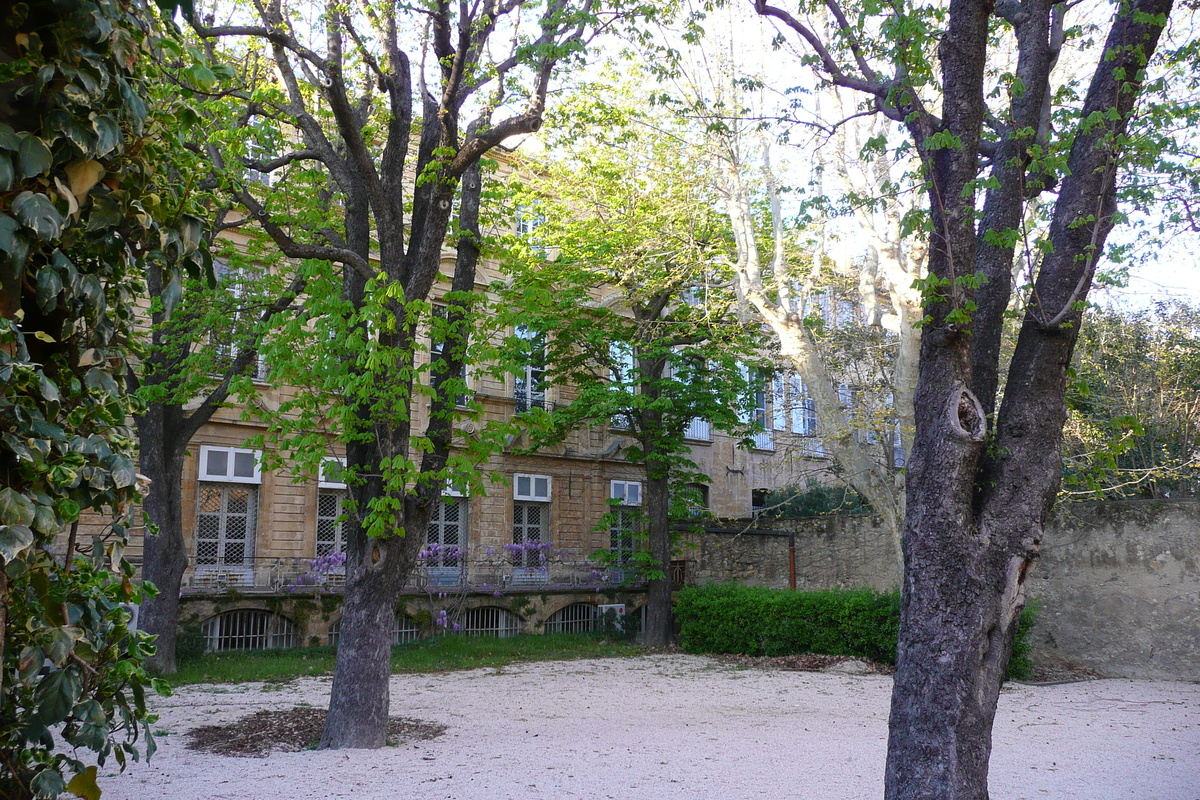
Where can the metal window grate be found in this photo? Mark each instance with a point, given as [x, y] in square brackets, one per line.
[330, 525]
[248, 629]
[529, 531]
[490, 621]
[446, 537]
[621, 534]
[225, 523]
[575, 618]
[404, 630]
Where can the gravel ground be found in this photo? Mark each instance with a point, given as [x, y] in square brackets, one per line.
[673, 726]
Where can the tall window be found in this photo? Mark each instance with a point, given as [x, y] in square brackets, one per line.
[626, 516]
[228, 337]
[438, 333]
[530, 530]
[446, 539]
[794, 408]
[757, 412]
[227, 506]
[529, 388]
[331, 502]
[531, 520]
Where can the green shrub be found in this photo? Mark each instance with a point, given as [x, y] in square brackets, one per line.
[189, 643]
[816, 500]
[1020, 665]
[749, 620]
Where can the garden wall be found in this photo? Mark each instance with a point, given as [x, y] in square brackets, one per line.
[1118, 583]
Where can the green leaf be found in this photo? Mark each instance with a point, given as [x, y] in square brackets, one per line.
[108, 133]
[97, 378]
[7, 176]
[35, 211]
[84, 784]
[123, 471]
[48, 783]
[172, 293]
[15, 508]
[56, 696]
[49, 286]
[61, 121]
[14, 540]
[8, 233]
[34, 157]
[9, 139]
[48, 389]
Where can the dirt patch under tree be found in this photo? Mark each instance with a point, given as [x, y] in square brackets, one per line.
[290, 730]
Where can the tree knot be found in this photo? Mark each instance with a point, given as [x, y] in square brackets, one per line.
[965, 415]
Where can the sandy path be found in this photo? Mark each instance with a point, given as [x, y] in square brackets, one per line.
[663, 727]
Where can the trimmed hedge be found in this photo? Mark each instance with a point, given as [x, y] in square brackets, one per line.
[751, 620]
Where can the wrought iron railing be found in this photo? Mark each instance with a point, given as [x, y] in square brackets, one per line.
[484, 574]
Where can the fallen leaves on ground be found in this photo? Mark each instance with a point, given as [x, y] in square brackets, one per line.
[290, 730]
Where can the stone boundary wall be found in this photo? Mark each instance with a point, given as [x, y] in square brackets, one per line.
[1118, 584]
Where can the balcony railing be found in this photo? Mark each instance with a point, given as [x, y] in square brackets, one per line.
[489, 573]
[763, 440]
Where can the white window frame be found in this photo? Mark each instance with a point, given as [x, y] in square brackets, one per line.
[229, 477]
[620, 491]
[532, 494]
[324, 482]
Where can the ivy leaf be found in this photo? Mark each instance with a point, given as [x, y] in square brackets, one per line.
[14, 540]
[48, 783]
[82, 176]
[123, 472]
[84, 784]
[97, 378]
[49, 286]
[35, 211]
[56, 696]
[8, 233]
[108, 133]
[172, 293]
[34, 157]
[15, 508]
[6, 173]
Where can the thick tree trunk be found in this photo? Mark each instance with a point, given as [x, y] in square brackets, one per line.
[659, 619]
[974, 520]
[163, 556]
[360, 697]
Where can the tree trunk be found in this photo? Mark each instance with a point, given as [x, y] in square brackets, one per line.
[163, 556]
[659, 625]
[360, 697]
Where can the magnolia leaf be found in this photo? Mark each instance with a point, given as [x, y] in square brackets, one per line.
[14, 540]
[15, 508]
[84, 784]
[35, 211]
[82, 176]
[34, 157]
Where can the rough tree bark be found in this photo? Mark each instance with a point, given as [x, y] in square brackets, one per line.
[978, 499]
